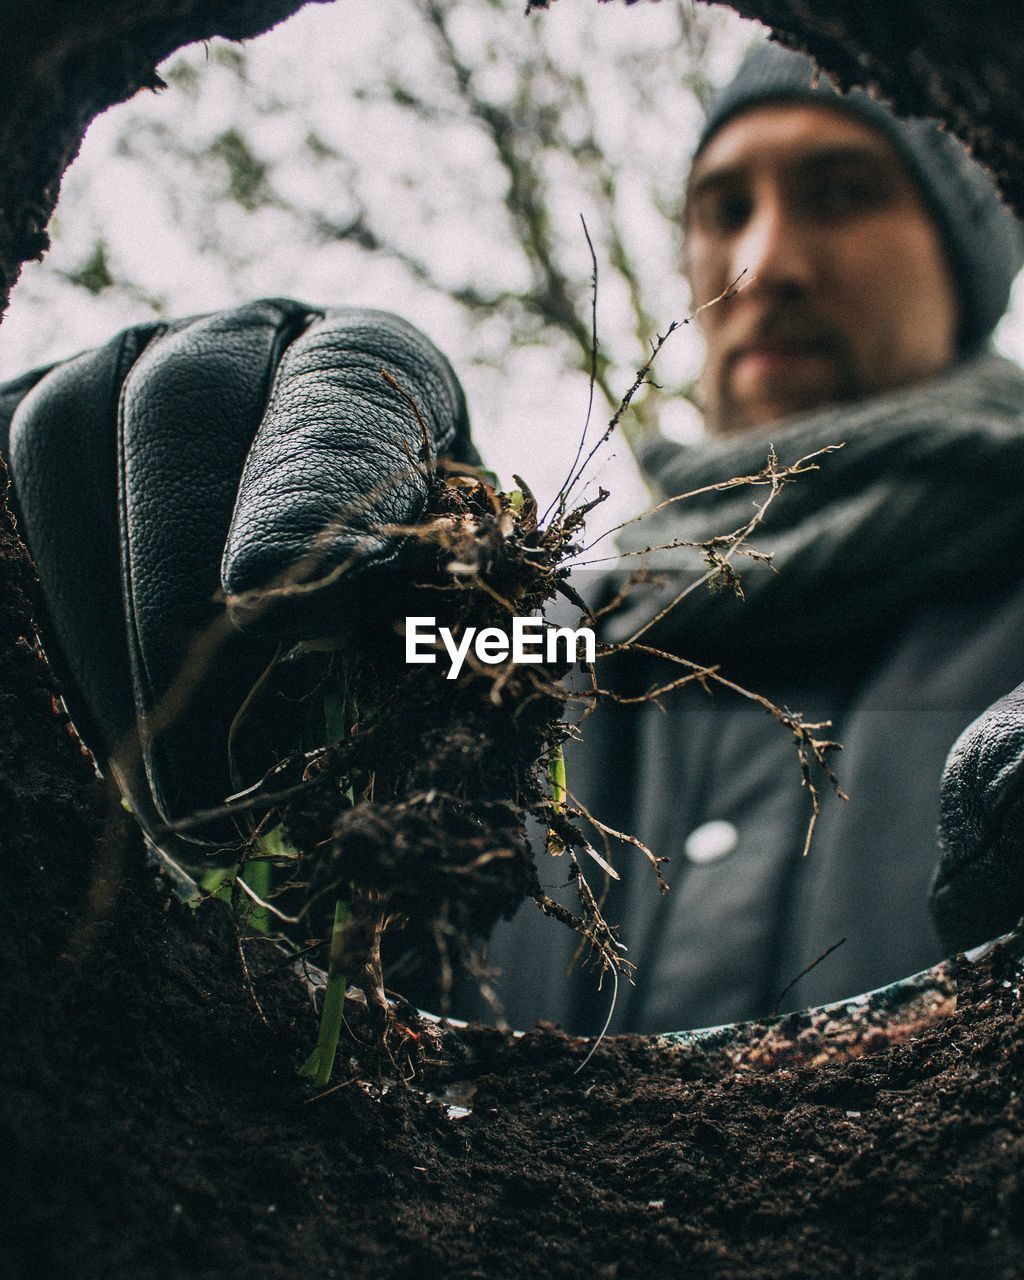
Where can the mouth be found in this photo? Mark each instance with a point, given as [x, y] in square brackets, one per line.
[764, 359]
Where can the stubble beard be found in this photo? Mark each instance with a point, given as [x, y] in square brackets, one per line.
[727, 414]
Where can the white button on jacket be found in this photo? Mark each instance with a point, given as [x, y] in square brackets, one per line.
[711, 841]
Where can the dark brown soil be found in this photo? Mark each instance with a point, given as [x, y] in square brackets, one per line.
[152, 1125]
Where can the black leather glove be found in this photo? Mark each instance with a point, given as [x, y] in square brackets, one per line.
[160, 478]
[978, 891]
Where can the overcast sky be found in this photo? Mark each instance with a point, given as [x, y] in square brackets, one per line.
[432, 186]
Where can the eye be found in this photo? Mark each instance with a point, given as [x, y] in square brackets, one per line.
[847, 195]
[721, 212]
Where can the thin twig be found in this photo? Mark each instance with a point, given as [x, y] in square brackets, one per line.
[626, 839]
[607, 1023]
[427, 459]
[263, 904]
[802, 465]
[729, 291]
[803, 974]
[563, 489]
[774, 476]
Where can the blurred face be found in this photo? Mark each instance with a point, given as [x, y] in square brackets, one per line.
[849, 290]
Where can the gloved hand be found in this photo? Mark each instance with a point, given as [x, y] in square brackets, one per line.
[161, 478]
[978, 890]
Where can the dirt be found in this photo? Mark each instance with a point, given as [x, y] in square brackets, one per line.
[154, 1126]
[152, 1122]
[413, 815]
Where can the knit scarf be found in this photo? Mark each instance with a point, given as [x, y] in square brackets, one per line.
[923, 503]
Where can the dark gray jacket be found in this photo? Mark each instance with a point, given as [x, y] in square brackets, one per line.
[897, 612]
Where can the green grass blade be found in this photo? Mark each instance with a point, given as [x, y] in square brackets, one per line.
[320, 1062]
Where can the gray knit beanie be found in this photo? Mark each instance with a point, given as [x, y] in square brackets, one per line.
[983, 240]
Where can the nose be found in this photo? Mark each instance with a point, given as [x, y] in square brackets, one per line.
[774, 248]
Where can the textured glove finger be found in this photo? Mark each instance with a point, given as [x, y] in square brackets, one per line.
[189, 409]
[126, 578]
[978, 890]
[361, 407]
[61, 445]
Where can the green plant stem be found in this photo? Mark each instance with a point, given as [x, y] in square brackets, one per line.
[556, 771]
[339, 714]
[320, 1062]
[258, 878]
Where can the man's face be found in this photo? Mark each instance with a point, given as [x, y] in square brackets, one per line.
[849, 290]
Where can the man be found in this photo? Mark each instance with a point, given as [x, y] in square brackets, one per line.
[875, 261]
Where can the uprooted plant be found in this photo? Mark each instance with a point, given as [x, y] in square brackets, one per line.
[389, 835]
